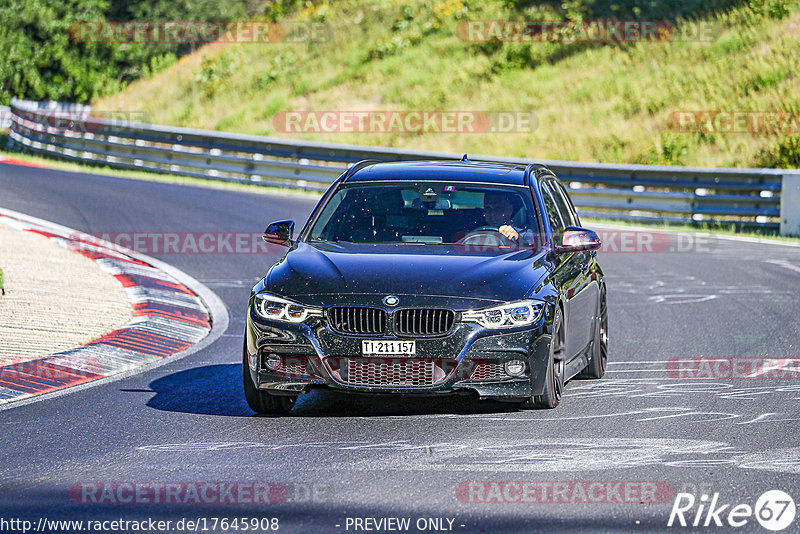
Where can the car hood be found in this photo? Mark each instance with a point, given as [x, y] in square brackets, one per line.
[339, 270]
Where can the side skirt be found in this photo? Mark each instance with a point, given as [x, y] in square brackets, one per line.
[577, 364]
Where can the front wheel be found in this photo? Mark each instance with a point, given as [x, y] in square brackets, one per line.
[554, 381]
[261, 401]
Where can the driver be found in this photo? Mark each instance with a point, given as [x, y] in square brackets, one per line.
[497, 211]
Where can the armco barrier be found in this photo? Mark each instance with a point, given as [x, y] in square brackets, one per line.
[745, 197]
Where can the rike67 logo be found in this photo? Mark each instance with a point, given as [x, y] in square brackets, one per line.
[774, 510]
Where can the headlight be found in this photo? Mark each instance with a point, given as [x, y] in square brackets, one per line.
[278, 309]
[510, 315]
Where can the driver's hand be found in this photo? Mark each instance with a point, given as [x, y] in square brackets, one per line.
[509, 232]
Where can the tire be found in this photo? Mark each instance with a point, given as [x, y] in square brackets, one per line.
[599, 360]
[554, 381]
[261, 401]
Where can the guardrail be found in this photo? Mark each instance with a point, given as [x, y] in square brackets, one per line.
[744, 197]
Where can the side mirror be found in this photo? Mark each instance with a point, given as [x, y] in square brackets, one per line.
[577, 239]
[279, 233]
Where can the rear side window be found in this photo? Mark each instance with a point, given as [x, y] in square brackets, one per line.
[566, 206]
[556, 222]
[566, 214]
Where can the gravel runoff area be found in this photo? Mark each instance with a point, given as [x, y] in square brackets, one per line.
[55, 299]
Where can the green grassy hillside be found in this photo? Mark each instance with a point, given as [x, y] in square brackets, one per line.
[607, 102]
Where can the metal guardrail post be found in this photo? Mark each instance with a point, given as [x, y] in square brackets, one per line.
[790, 205]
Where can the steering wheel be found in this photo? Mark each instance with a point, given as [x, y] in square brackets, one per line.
[486, 236]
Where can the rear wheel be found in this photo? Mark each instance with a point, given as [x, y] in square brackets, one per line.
[599, 360]
[554, 380]
[261, 401]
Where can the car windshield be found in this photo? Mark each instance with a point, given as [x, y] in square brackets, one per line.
[474, 216]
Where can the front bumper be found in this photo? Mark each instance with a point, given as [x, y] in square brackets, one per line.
[468, 360]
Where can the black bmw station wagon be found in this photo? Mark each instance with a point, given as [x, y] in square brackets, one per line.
[430, 278]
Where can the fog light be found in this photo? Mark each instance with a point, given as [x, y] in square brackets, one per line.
[273, 362]
[515, 367]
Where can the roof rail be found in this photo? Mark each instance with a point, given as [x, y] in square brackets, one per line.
[536, 170]
[358, 166]
[526, 176]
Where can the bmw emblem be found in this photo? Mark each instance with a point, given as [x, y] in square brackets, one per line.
[391, 300]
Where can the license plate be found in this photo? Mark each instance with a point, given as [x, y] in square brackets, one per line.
[388, 348]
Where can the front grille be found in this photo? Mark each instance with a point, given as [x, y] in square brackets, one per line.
[423, 321]
[488, 371]
[355, 320]
[365, 372]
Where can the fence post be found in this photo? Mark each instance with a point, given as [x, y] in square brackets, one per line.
[790, 204]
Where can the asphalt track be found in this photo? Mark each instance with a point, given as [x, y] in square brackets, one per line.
[344, 457]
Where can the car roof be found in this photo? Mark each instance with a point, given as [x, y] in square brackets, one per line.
[447, 171]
